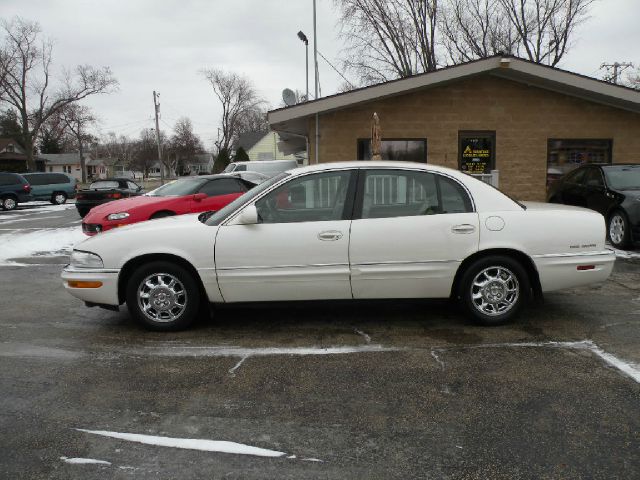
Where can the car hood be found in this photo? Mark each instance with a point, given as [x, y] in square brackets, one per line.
[183, 236]
[126, 204]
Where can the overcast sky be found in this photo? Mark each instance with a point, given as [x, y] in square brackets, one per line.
[161, 45]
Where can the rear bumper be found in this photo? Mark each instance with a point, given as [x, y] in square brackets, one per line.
[106, 294]
[559, 271]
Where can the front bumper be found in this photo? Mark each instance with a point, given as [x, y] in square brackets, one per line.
[559, 271]
[106, 294]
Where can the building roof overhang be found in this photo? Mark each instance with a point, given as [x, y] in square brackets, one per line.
[294, 119]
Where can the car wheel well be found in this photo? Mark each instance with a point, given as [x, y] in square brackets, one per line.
[161, 214]
[131, 266]
[9, 195]
[520, 257]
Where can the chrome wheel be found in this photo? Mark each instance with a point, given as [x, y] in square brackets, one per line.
[494, 291]
[9, 203]
[616, 229]
[59, 198]
[162, 297]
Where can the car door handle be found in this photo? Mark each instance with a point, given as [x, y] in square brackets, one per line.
[464, 228]
[330, 235]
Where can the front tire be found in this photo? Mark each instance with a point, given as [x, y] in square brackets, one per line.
[163, 296]
[618, 230]
[493, 289]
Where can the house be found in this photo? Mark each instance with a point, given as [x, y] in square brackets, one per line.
[527, 121]
[264, 146]
[198, 163]
[101, 168]
[68, 163]
[13, 158]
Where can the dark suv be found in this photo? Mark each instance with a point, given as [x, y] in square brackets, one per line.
[14, 189]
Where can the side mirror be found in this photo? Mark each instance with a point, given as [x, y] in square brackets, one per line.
[198, 197]
[248, 216]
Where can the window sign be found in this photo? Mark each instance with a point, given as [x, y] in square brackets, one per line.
[477, 152]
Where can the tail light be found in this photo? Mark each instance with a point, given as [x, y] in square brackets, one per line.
[114, 195]
[80, 196]
[26, 188]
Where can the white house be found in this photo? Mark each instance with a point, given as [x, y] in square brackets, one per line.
[68, 163]
[264, 146]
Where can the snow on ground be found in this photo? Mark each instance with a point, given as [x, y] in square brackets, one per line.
[627, 253]
[84, 461]
[189, 443]
[48, 242]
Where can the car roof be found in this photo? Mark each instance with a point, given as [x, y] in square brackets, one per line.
[376, 164]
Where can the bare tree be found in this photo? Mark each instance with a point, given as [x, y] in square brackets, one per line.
[183, 144]
[77, 119]
[145, 152]
[474, 29]
[389, 38]
[26, 80]
[239, 101]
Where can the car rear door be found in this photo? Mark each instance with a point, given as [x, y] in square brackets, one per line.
[299, 250]
[410, 232]
[573, 189]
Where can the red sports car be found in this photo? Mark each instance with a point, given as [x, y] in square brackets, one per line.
[186, 195]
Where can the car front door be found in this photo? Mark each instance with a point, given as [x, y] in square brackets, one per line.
[410, 232]
[573, 189]
[298, 250]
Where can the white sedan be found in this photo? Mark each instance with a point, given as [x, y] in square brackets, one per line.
[361, 230]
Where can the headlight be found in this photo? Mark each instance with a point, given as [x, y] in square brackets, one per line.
[117, 216]
[85, 260]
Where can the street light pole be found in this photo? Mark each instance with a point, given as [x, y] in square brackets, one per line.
[304, 38]
[156, 107]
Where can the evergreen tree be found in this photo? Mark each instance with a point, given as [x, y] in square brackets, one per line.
[9, 126]
[241, 155]
[222, 160]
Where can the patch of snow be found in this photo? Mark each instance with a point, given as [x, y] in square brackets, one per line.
[84, 461]
[232, 371]
[185, 351]
[189, 443]
[626, 253]
[366, 337]
[47, 242]
[311, 460]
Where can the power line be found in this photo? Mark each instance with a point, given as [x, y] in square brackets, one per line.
[336, 70]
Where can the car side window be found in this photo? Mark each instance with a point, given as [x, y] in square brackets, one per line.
[132, 186]
[594, 178]
[222, 186]
[312, 198]
[405, 193]
[6, 179]
[576, 177]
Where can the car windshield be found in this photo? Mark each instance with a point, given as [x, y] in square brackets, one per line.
[177, 188]
[623, 177]
[104, 185]
[221, 214]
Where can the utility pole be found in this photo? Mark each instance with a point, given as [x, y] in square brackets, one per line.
[156, 107]
[617, 68]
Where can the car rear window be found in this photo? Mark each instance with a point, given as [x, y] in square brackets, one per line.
[104, 185]
[9, 179]
[46, 178]
[177, 188]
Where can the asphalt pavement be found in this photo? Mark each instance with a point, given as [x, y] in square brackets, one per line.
[394, 389]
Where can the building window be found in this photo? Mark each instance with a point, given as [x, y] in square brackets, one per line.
[10, 149]
[564, 155]
[477, 152]
[406, 150]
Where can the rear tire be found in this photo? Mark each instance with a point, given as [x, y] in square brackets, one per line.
[83, 212]
[58, 198]
[493, 289]
[163, 296]
[618, 230]
[8, 203]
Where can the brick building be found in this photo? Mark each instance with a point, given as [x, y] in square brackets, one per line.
[530, 122]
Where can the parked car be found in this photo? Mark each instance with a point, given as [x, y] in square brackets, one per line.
[612, 190]
[14, 189]
[269, 168]
[186, 195]
[54, 187]
[103, 191]
[361, 230]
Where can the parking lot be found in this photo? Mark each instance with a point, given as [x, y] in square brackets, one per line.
[397, 389]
